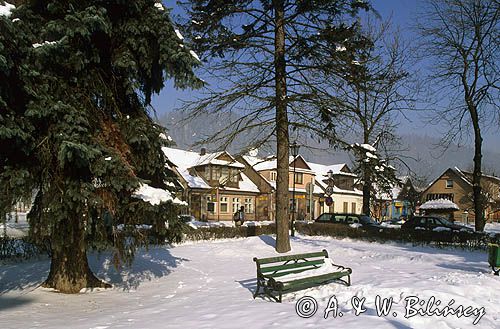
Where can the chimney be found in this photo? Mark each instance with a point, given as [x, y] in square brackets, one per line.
[203, 151]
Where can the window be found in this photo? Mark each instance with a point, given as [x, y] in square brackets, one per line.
[346, 207]
[215, 173]
[434, 196]
[224, 174]
[353, 207]
[449, 183]
[234, 176]
[273, 176]
[223, 204]
[299, 178]
[210, 205]
[207, 172]
[236, 204]
[249, 205]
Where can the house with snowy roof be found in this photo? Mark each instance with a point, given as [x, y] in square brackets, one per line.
[311, 181]
[400, 201]
[455, 184]
[215, 185]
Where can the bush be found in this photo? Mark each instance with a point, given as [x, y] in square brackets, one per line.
[211, 233]
[19, 248]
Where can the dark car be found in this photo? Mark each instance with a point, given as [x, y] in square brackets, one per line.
[431, 223]
[187, 218]
[347, 219]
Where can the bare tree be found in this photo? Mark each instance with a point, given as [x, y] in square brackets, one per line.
[460, 38]
[375, 88]
[258, 53]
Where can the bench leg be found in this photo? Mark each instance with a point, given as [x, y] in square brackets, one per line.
[256, 293]
[496, 272]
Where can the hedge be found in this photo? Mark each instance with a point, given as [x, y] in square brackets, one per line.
[466, 240]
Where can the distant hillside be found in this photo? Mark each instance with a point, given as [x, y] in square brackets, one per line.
[422, 155]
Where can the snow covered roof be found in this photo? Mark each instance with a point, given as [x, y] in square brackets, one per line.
[439, 204]
[155, 196]
[185, 160]
[321, 171]
[189, 159]
[270, 163]
[212, 158]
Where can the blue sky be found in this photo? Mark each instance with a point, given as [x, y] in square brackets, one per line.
[403, 13]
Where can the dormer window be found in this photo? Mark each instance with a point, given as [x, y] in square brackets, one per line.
[225, 173]
[215, 173]
[234, 176]
[449, 183]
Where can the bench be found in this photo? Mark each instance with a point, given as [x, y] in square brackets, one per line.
[494, 257]
[272, 272]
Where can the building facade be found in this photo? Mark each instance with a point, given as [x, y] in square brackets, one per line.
[215, 186]
[456, 185]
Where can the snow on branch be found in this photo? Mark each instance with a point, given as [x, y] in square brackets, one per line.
[155, 196]
[6, 9]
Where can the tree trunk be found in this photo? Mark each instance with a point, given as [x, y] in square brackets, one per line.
[366, 192]
[476, 175]
[367, 181]
[282, 235]
[69, 268]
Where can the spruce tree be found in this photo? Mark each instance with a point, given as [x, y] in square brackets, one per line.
[76, 79]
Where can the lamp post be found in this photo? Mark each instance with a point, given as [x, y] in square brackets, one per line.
[294, 149]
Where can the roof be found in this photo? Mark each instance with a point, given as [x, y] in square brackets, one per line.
[270, 163]
[321, 172]
[454, 170]
[439, 204]
[186, 160]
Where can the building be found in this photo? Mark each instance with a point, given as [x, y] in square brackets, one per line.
[215, 185]
[346, 197]
[311, 181]
[456, 185]
[400, 201]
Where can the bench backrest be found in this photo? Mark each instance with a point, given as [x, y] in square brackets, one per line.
[494, 255]
[283, 265]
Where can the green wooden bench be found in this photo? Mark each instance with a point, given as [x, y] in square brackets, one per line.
[494, 257]
[271, 272]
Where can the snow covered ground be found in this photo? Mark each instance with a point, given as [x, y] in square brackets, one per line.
[13, 229]
[210, 285]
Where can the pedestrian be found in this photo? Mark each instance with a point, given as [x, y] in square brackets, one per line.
[239, 216]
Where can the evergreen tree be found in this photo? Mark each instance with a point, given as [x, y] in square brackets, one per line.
[76, 79]
[261, 53]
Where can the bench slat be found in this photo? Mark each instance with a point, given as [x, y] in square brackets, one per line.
[291, 266]
[314, 280]
[290, 257]
[280, 274]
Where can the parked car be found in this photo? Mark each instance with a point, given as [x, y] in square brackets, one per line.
[187, 218]
[433, 223]
[363, 221]
[394, 222]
